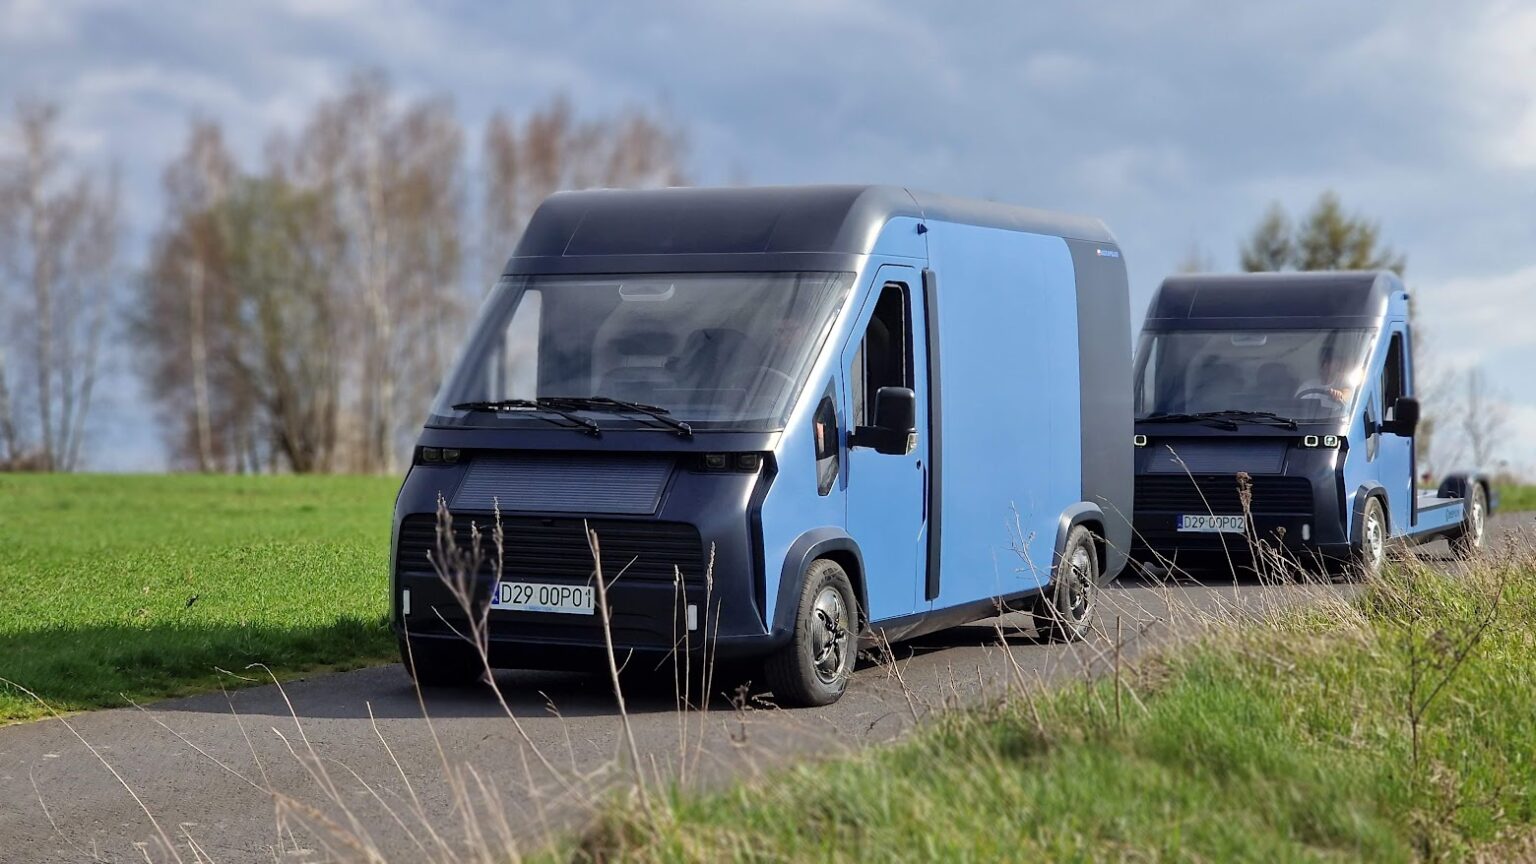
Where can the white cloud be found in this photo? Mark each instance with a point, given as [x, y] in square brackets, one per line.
[1133, 170]
[1501, 73]
[36, 21]
[154, 81]
[1479, 317]
[1058, 68]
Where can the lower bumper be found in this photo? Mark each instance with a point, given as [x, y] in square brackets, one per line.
[555, 655]
[646, 620]
[1294, 536]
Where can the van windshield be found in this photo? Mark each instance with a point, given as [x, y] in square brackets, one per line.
[718, 350]
[1304, 375]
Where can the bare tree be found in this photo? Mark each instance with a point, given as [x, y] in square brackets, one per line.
[296, 318]
[183, 307]
[199, 187]
[1434, 386]
[551, 150]
[1484, 418]
[238, 320]
[391, 180]
[286, 318]
[58, 244]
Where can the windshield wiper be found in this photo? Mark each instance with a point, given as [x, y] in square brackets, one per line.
[530, 406]
[1214, 418]
[620, 406]
[1269, 417]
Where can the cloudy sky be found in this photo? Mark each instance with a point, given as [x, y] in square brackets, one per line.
[1176, 122]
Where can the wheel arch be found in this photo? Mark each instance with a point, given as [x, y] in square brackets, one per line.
[1363, 496]
[1087, 515]
[1455, 486]
[833, 544]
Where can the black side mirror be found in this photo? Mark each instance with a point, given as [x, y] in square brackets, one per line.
[895, 429]
[896, 409]
[1405, 416]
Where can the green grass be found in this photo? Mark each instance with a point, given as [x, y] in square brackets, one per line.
[1287, 741]
[97, 574]
[1517, 498]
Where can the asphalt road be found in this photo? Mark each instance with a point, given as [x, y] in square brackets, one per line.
[202, 765]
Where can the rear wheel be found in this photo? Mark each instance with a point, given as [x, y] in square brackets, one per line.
[441, 662]
[814, 668]
[1064, 612]
[1474, 532]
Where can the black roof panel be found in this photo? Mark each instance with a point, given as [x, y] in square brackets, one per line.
[1192, 299]
[767, 219]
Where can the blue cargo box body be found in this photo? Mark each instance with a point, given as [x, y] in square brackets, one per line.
[1007, 324]
[1288, 384]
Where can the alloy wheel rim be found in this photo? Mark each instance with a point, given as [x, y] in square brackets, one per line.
[1375, 547]
[1079, 586]
[1477, 519]
[829, 634]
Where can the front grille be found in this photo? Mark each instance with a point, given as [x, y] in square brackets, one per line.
[564, 483]
[1219, 494]
[539, 548]
[1224, 456]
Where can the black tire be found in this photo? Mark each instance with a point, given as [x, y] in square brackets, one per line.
[1474, 530]
[1065, 609]
[441, 662]
[814, 668]
[1371, 554]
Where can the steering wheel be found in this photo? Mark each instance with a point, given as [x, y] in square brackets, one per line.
[1321, 392]
[1325, 392]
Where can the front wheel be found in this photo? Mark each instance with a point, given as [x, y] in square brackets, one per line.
[814, 668]
[1064, 612]
[1474, 532]
[1372, 554]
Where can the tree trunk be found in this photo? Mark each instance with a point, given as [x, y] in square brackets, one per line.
[381, 369]
[198, 338]
[7, 417]
[42, 300]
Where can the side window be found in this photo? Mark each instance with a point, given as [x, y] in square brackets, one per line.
[1372, 436]
[884, 355]
[1148, 400]
[515, 375]
[824, 428]
[1392, 378]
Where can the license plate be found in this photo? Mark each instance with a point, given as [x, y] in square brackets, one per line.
[543, 597]
[1207, 524]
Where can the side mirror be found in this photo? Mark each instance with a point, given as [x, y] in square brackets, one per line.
[1405, 416]
[896, 409]
[895, 429]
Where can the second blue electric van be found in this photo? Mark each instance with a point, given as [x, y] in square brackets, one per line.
[1280, 409]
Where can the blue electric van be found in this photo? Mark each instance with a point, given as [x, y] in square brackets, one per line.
[1279, 408]
[876, 411]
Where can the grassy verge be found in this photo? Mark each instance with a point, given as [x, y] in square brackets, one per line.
[142, 586]
[1397, 727]
[1517, 498]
